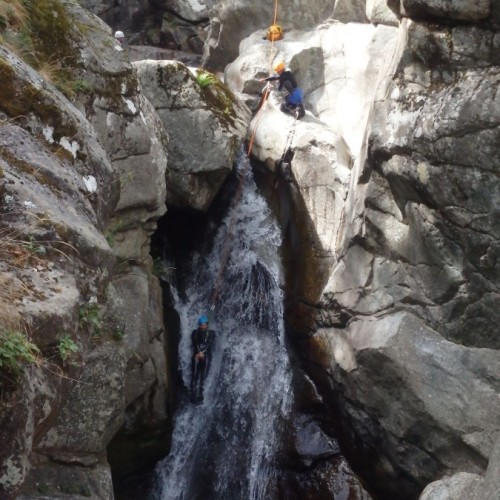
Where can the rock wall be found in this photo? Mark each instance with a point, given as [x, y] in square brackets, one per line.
[78, 208]
[393, 239]
[417, 273]
[83, 180]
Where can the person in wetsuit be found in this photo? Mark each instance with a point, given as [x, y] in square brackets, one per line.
[292, 103]
[202, 340]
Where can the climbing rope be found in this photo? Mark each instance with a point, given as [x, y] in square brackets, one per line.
[239, 191]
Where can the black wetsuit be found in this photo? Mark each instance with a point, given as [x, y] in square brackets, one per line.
[285, 81]
[202, 341]
[293, 100]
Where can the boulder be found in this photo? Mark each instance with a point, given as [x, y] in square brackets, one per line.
[461, 485]
[205, 123]
[378, 12]
[491, 484]
[435, 422]
[233, 20]
[336, 65]
[454, 9]
[312, 444]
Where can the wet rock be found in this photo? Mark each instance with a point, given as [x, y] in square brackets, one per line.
[330, 479]
[59, 482]
[311, 443]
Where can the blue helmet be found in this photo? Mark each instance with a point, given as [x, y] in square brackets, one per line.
[202, 319]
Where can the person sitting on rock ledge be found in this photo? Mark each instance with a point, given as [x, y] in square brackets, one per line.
[292, 103]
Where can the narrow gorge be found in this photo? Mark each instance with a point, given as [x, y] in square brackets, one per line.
[349, 260]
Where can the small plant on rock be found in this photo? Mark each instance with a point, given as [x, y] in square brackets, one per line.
[67, 347]
[205, 79]
[16, 351]
[90, 317]
[118, 332]
[81, 86]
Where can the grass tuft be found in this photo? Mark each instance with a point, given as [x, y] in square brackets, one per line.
[16, 351]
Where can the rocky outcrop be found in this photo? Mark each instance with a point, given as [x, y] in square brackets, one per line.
[397, 319]
[205, 122]
[467, 485]
[83, 180]
[392, 237]
[422, 257]
[234, 20]
[337, 66]
[51, 160]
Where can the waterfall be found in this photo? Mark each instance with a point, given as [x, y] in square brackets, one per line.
[226, 448]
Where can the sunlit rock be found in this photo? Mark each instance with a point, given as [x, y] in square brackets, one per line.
[205, 123]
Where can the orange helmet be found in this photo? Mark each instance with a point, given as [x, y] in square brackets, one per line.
[280, 67]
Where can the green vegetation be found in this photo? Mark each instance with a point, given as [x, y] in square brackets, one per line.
[118, 332]
[205, 79]
[67, 347]
[40, 33]
[33, 247]
[15, 351]
[13, 14]
[81, 86]
[218, 96]
[90, 317]
[113, 231]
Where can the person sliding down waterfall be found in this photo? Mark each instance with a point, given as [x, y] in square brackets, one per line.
[202, 339]
[292, 103]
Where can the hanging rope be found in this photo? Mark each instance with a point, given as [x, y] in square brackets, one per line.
[239, 191]
[275, 11]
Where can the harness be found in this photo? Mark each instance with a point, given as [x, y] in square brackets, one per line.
[202, 344]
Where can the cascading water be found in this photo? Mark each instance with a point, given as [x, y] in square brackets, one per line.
[226, 448]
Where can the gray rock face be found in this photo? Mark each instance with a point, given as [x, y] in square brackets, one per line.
[395, 195]
[75, 178]
[404, 294]
[337, 66]
[191, 10]
[233, 20]
[452, 487]
[454, 9]
[205, 123]
[56, 196]
[126, 15]
[450, 123]
[433, 181]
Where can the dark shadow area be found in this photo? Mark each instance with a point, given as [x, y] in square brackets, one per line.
[132, 458]
[133, 453]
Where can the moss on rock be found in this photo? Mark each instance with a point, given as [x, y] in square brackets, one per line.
[50, 29]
